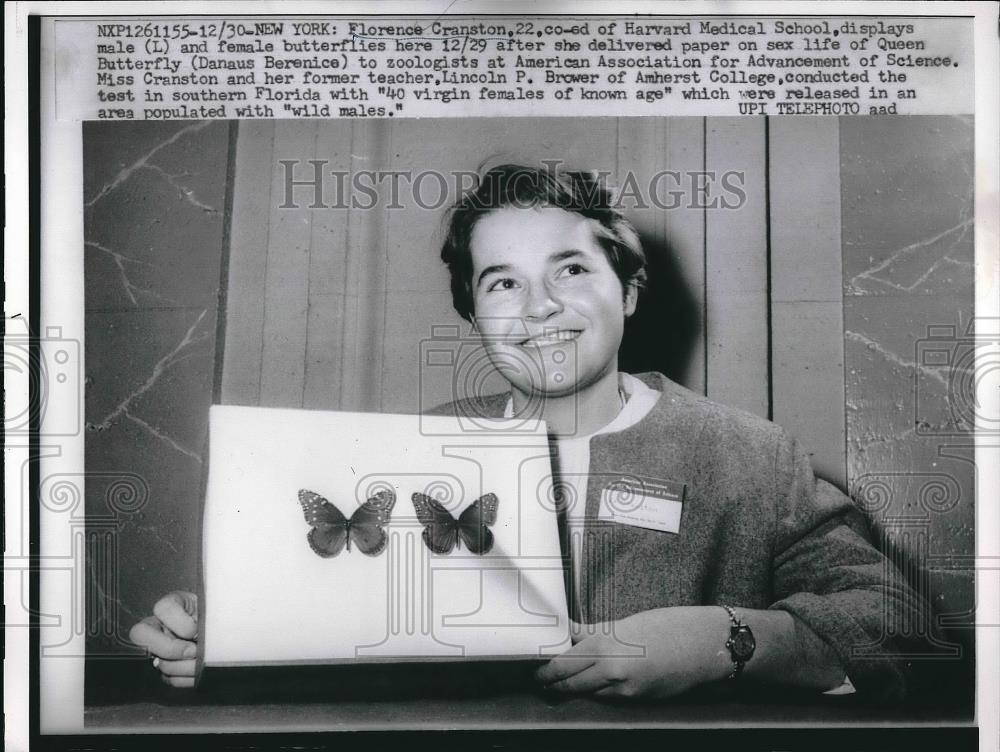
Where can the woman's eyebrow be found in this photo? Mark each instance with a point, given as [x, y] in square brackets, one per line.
[563, 255]
[491, 270]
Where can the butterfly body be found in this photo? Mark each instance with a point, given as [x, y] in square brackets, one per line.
[332, 531]
[444, 534]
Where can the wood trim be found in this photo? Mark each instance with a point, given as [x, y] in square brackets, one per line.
[736, 267]
[807, 289]
[241, 358]
[286, 289]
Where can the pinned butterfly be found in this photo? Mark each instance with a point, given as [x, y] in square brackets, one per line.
[443, 533]
[331, 530]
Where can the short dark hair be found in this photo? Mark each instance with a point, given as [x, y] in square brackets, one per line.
[520, 187]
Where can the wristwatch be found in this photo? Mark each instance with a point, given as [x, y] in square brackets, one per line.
[741, 643]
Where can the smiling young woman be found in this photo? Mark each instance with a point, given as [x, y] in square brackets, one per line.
[740, 564]
[551, 313]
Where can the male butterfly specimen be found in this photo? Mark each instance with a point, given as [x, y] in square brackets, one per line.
[332, 530]
[442, 532]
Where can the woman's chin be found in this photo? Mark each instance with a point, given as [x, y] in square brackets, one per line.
[554, 389]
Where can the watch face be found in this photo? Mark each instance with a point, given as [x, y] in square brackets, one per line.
[743, 643]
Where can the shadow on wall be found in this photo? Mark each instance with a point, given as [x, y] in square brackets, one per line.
[662, 333]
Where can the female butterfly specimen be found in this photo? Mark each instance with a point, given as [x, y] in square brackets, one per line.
[332, 530]
[442, 532]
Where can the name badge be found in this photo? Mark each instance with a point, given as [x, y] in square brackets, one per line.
[652, 504]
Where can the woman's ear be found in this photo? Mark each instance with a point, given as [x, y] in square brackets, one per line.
[631, 299]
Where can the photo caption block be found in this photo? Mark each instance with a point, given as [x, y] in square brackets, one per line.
[339, 67]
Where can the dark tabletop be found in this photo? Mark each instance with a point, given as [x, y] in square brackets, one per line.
[126, 695]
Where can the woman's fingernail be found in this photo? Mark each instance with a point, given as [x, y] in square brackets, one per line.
[156, 663]
[190, 651]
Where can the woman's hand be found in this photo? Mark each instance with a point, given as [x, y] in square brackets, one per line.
[655, 654]
[171, 635]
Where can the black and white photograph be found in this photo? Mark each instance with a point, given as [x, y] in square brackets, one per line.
[749, 273]
[516, 423]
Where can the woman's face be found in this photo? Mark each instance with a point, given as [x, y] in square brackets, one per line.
[548, 304]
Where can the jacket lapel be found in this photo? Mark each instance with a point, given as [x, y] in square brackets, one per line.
[662, 446]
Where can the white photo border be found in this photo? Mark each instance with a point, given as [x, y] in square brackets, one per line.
[62, 294]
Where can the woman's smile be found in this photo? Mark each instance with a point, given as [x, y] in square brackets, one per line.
[551, 337]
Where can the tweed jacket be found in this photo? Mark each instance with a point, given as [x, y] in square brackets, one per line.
[757, 531]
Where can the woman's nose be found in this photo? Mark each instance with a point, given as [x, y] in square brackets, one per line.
[541, 303]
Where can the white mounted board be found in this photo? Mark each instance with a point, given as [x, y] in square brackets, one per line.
[270, 599]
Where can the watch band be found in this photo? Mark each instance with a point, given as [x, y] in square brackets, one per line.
[739, 652]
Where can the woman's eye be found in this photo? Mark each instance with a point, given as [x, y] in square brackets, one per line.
[502, 284]
[572, 270]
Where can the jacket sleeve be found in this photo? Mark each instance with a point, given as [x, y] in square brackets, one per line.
[827, 573]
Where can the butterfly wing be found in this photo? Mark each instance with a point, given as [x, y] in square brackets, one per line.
[329, 526]
[475, 521]
[368, 522]
[440, 528]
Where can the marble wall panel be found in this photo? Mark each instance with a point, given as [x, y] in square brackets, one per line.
[154, 201]
[906, 193]
[907, 209]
